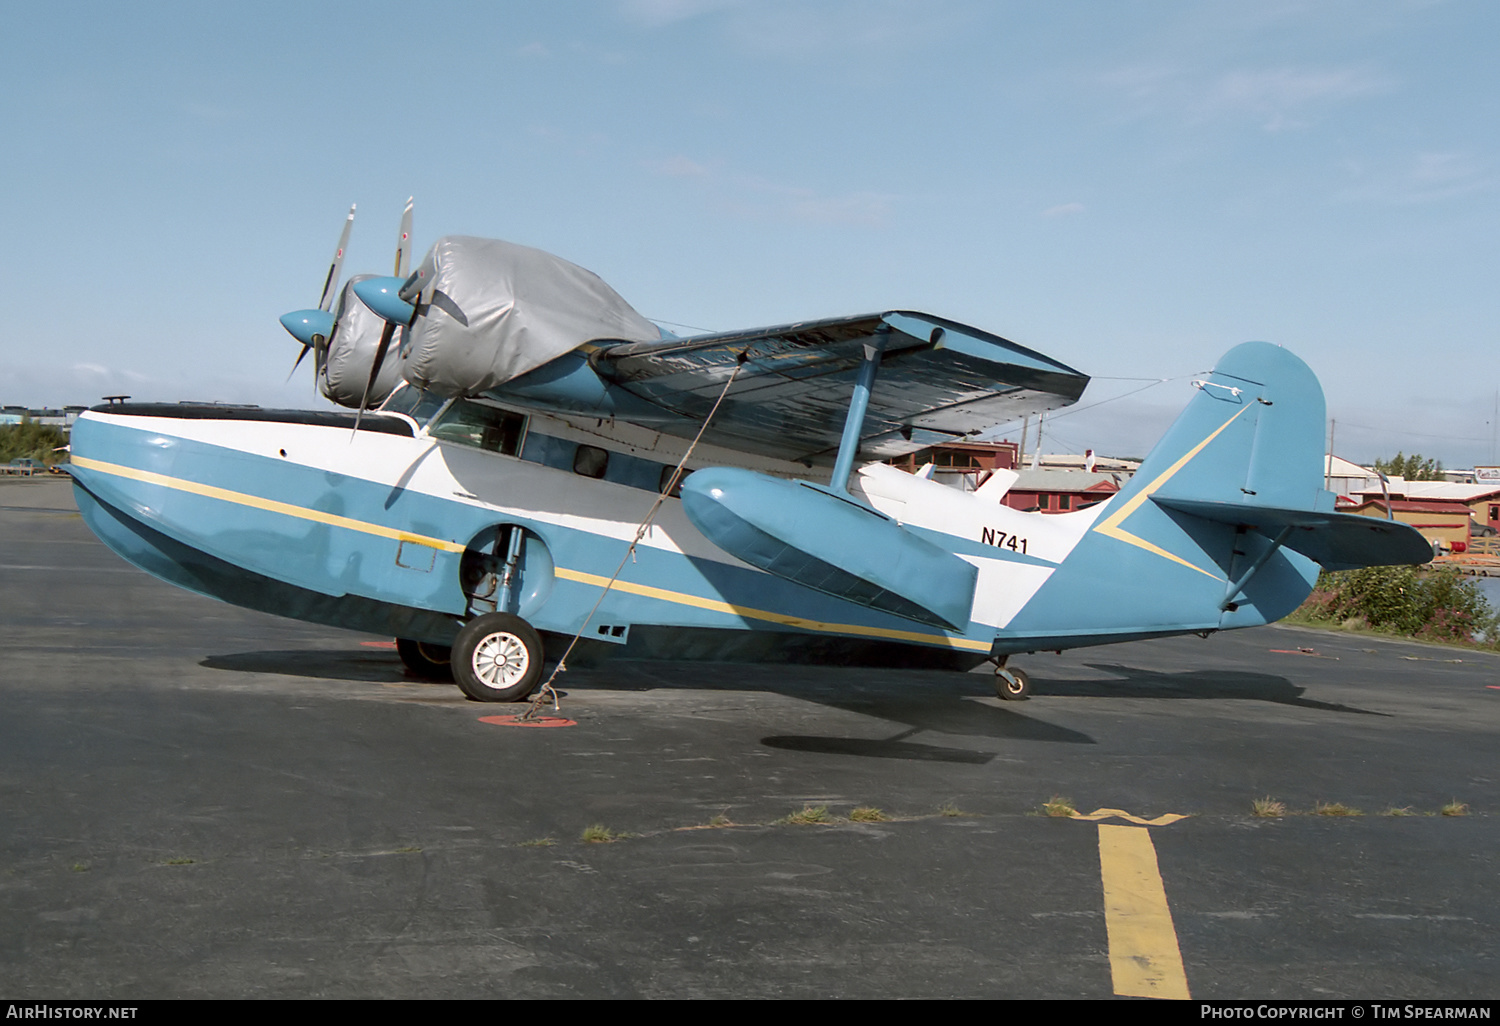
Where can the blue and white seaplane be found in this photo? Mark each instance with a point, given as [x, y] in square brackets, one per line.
[518, 430]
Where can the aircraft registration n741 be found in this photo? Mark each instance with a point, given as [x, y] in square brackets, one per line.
[518, 430]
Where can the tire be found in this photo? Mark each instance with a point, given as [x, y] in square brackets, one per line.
[1015, 688]
[425, 660]
[497, 657]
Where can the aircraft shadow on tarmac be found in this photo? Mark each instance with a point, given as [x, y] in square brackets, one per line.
[922, 701]
[1130, 682]
[363, 665]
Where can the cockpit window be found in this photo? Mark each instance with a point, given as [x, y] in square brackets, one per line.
[484, 427]
[414, 402]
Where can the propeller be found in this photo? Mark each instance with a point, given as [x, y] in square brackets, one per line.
[313, 328]
[403, 258]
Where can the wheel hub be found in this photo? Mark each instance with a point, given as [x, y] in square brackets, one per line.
[501, 661]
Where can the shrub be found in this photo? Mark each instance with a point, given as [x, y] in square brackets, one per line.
[1434, 605]
[28, 438]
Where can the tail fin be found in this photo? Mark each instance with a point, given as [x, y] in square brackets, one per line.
[1253, 435]
[1262, 409]
[1227, 521]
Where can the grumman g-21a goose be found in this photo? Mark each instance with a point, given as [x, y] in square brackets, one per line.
[517, 423]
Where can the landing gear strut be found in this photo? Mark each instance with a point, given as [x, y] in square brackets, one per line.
[1012, 685]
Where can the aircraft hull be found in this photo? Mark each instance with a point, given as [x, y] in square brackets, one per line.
[369, 531]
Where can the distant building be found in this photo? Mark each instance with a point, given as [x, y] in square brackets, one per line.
[1480, 500]
[1061, 491]
[961, 465]
[1441, 522]
[1058, 483]
[62, 418]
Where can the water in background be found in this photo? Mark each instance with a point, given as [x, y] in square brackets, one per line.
[1490, 588]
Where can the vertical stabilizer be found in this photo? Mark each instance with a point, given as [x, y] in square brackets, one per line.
[1250, 437]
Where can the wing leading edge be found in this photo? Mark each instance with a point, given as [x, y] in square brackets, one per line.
[938, 380]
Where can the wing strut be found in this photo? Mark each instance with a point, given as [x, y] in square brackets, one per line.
[854, 424]
[1235, 587]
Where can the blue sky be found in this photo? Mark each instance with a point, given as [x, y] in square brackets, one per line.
[1131, 188]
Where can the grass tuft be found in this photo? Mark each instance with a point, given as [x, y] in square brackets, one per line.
[1268, 808]
[1334, 809]
[1060, 807]
[601, 834]
[539, 842]
[1403, 810]
[721, 820]
[1454, 808]
[950, 810]
[868, 814]
[809, 814]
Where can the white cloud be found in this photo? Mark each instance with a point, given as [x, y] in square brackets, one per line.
[759, 199]
[1278, 98]
[655, 13]
[680, 167]
[1423, 178]
[1063, 210]
[860, 209]
[1288, 97]
[794, 29]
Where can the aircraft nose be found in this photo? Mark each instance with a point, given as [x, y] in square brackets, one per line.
[304, 324]
[380, 295]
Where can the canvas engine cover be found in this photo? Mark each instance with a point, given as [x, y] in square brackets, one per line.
[351, 351]
[490, 311]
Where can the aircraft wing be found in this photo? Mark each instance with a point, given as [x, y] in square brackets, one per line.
[939, 380]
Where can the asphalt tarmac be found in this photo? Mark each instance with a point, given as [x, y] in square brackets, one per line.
[202, 801]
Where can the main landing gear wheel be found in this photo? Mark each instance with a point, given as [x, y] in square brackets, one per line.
[1012, 685]
[497, 657]
[425, 660]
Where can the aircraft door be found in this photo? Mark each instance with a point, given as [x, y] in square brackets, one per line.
[506, 569]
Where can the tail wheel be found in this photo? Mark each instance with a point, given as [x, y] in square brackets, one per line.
[428, 661]
[1012, 685]
[497, 657]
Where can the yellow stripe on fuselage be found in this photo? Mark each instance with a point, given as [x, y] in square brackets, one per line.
[720, 606]
[578, 576]
[269, 505]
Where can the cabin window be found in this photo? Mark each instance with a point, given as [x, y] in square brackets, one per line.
[1065, 502]
[1494, 513]
[484, 427]
[590, 461]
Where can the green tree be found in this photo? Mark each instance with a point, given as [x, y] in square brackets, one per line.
[1413, 467]
[38, 441]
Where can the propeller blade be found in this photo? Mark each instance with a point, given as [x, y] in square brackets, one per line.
[320, 357]
[403, 247]
[385, 342]
[305, 348]
[330, 284]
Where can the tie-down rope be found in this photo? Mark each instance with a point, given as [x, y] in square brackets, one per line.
[640, 532]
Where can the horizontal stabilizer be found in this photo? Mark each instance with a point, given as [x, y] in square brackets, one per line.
[1335, 541]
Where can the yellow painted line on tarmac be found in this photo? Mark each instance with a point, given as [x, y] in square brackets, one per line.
[1144, 958]
[1164, 820]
